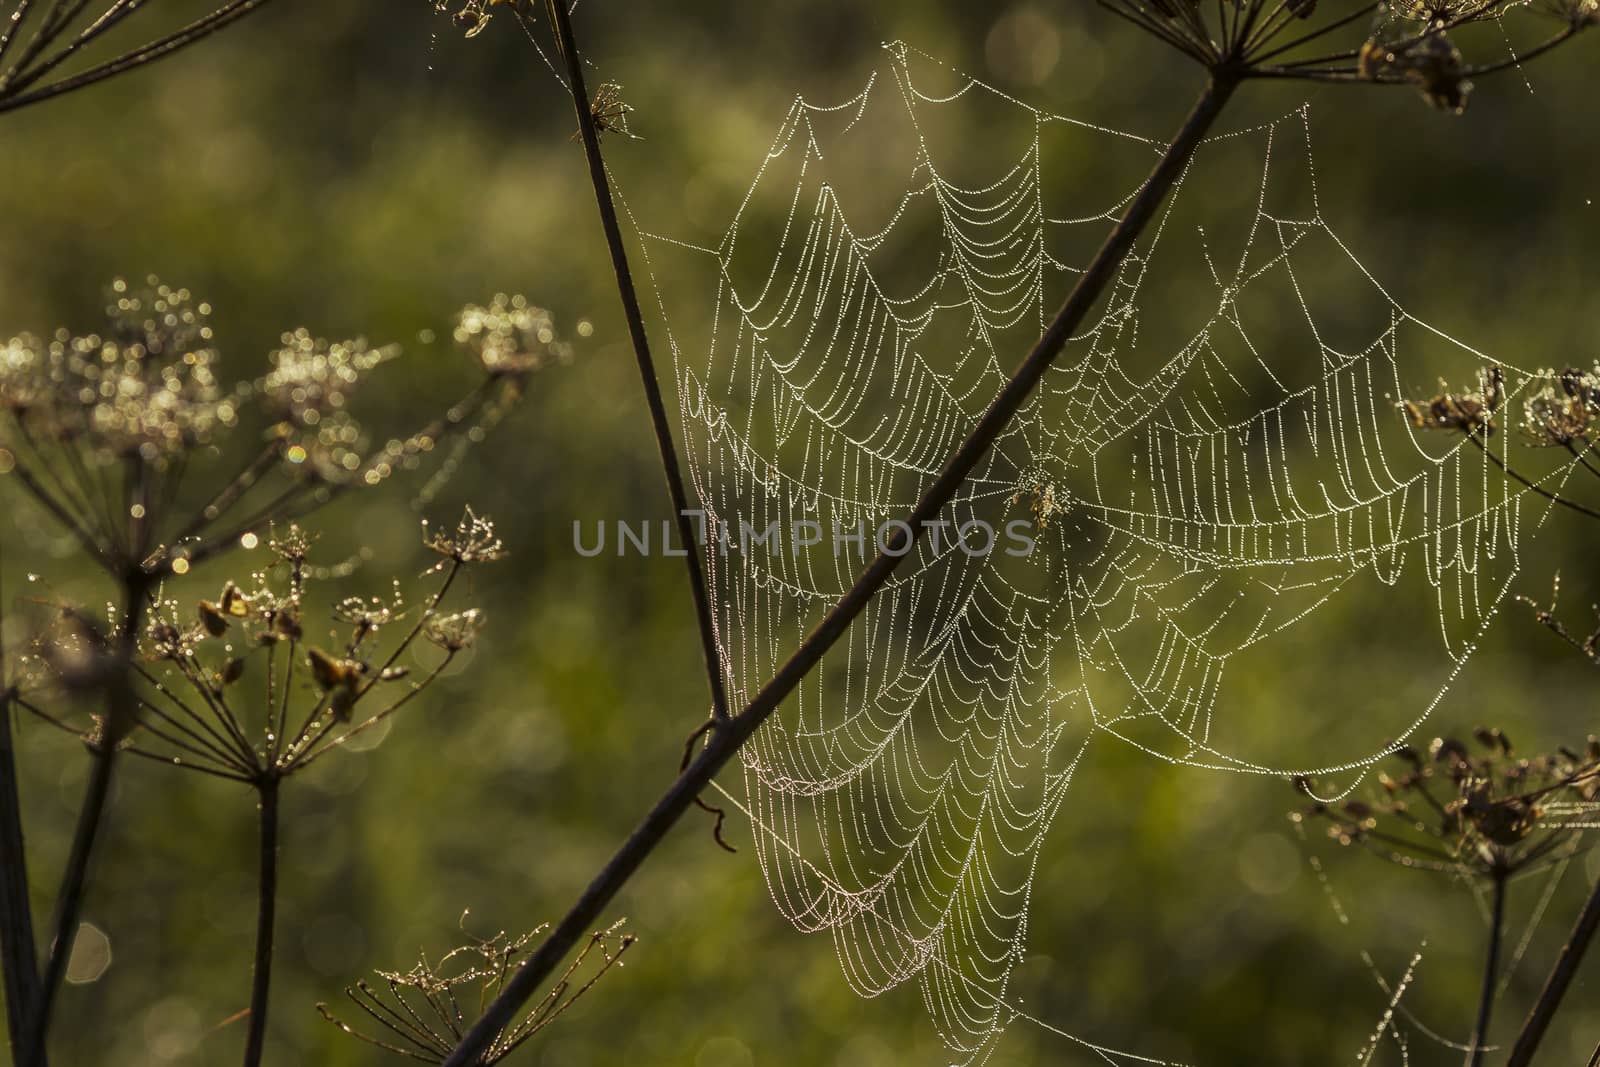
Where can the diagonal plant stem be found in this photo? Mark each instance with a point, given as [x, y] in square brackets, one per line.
[266, 906]
[1556, 986]
[588, 128]
[18, 956]
[1491, 971]
[121, 713]
[724, 743]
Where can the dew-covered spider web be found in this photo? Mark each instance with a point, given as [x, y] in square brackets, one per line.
[1215, 472]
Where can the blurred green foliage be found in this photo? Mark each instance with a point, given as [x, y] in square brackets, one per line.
[358, 168]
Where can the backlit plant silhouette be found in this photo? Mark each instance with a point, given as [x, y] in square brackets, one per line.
[1485, 817]
[117, 435]
[423, 1012]
[103, 431]
[42, 40]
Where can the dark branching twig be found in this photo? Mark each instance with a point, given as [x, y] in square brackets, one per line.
[1497, 816]
[50, 45]
[110, 465]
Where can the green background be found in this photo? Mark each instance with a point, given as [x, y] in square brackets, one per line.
[360, 169]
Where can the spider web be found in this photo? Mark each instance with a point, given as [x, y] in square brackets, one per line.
[1216, 458]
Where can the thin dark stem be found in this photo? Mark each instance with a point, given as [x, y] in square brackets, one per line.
[266, 907]
[723, 743]
[641, 350]
[18, 956]
[1554, 498]
[1491, 971]
[121, 714]
[1556, 986]
[91, 547]
[21, 964]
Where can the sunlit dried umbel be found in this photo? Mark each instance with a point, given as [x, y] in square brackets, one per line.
[1401, 42]
[250, 685]
[1477, 809]
[105, 429]
[424, 1012]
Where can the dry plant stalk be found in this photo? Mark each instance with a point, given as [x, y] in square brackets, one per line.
[49, 34]
[109, 433]
[1484, 818]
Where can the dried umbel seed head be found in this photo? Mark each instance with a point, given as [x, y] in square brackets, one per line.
[472, 541]
[1468, 413]
[312, 377]
[370, 614]
[146, 388]
[609, 111]
[203, 706]
[454, 632]
[1430, 62]
[143, 395]
[1491, 813]
[1565, 411]
[509, 337]
[424, 1011]
[1398, 42]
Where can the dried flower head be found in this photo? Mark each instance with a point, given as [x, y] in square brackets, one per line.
[1470, 413]
[143, 395]
[1478, 809]
[1431, 62]
[312, 377]
[1563, 412]
[609, 111]
[145, 388]
[1398, 42]
[313, 690]
[456, 631]
[510, 337]
[424, 1011]
[472, 541]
